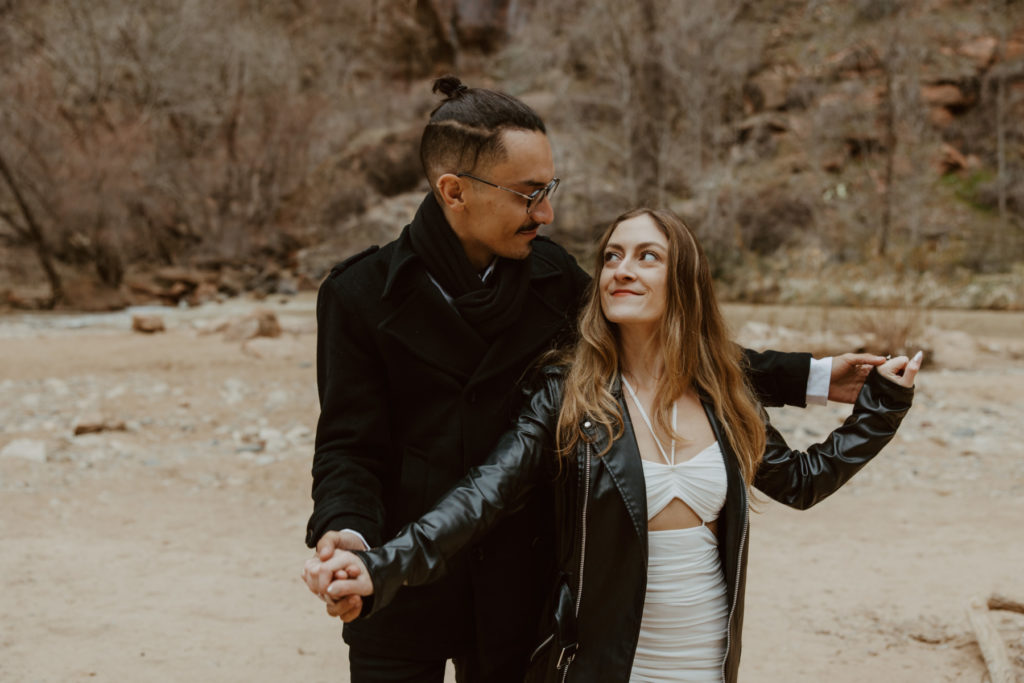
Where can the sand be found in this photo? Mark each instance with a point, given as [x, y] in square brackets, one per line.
[169, 546]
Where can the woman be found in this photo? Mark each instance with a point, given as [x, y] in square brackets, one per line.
[654, 440]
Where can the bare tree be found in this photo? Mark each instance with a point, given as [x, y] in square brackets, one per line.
[29, 229]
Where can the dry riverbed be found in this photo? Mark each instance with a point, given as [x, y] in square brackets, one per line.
[164, 542]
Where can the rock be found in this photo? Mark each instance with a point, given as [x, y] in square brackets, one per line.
[86, 294]
[982, 51]
[1013, 49]
[261, 323]
[944, 95]
[147, 324]
[287, 285]
[951, 159]
[205, 292]
[231, 281]
[94, 424]
[234, 391]
[940, 117]
[277, 398]
[27, 449]
[766, 91]
[298, 435]
[171, 275]
[272, 439]
[56, 387]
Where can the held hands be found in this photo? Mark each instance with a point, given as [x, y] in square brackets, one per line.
[351, 580]
[332, 562]
[848, 374]
[900, 370]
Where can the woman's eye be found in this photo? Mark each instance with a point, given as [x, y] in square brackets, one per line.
[610, 256]
[648, 256]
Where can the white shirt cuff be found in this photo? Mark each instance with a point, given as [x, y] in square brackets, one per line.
[366, 546]
[818, 381]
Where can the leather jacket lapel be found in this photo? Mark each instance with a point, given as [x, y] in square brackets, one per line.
[626, 470]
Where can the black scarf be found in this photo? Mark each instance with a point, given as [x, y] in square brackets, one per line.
[489, 308]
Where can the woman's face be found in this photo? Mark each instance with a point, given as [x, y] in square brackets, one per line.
[634, 277]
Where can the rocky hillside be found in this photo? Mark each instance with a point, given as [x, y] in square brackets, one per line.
[864, 151]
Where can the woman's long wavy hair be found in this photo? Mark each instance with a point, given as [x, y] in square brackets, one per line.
[693, 340]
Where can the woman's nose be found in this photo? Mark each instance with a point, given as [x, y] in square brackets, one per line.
[625, 271]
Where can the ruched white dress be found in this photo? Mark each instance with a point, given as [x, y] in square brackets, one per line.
[686, 610]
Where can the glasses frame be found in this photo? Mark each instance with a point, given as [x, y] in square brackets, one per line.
[533, 199]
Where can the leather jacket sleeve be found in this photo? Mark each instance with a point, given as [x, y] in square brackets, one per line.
[802, 479]
[419, 553]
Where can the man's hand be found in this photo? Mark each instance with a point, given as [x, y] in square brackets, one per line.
[848, 374]
[319, 570]
[351, 581]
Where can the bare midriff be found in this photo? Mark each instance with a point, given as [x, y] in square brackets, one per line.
[677, 515]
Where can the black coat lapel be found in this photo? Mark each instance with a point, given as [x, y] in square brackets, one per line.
[430, 329]
[532, 334]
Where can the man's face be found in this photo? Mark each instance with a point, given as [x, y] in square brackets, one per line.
[495, 222]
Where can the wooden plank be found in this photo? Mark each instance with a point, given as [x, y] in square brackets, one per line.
[1000, 670]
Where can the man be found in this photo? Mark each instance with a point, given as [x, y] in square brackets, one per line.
[421, 347]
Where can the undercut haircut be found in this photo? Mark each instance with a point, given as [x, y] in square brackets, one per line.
[465, 130]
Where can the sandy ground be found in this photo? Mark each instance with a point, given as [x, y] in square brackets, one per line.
[171, 550]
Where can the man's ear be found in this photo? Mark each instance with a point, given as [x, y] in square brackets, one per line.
[450, 191]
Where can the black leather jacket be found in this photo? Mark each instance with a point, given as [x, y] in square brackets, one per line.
[601, 510]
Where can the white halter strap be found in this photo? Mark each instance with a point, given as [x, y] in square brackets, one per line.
[647, 421]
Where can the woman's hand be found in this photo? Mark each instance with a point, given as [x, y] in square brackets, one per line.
[351, 580]
[900, 370]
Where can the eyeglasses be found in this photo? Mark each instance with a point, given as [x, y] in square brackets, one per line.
[533, 199]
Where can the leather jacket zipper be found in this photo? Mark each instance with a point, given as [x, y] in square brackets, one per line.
[736, 587]
[583, 549]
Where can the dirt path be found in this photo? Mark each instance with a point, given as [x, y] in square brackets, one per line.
[171, 550]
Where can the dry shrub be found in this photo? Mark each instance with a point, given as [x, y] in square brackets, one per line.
[893, 331]
[772, 219]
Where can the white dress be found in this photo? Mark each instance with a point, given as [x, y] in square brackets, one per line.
[686, 610]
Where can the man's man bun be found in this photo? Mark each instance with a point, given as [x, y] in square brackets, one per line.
[449, 86]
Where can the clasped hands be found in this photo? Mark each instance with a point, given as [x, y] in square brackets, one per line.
[849, 371]
[337, 576]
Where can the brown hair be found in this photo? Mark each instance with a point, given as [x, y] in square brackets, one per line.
[694, 342]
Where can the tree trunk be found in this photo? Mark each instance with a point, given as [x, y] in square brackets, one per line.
[649, 83]
[35, 234]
